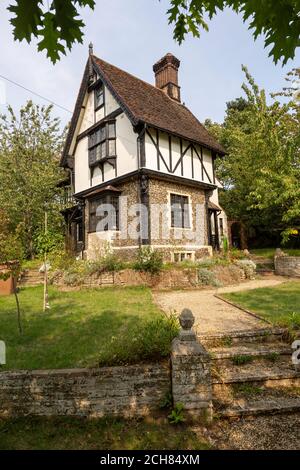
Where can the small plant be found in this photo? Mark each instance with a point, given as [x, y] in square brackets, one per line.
[227, 341]
[241, 359]
[207, 278]
[273, 356]
[225, 246]
[236, 254]
[247, 389]
[177, 414]
[149, 260]
[167, 401]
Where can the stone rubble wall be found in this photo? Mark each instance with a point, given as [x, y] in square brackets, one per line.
[287, 266]
[166, 279]
[124, 391]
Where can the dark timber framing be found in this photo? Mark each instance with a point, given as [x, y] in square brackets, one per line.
[150, 173]
[171, 167]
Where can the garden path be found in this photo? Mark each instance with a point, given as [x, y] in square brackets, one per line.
[213, 315]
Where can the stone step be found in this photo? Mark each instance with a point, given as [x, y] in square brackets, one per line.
[253, 407]
[264, 335]
[262, 370]
[254, 350]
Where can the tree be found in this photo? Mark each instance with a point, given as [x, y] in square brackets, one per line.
[58, 24]
[11, 256]
[261, 172]
[30, 146]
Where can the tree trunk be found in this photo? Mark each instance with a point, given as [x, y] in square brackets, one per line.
[18, 305]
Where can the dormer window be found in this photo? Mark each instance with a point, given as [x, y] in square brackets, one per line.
[102, 143]
[99, 97]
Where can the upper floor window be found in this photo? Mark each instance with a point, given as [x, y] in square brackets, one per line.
[102, 143]
[104, 213]
[180, 216]
[99, 97]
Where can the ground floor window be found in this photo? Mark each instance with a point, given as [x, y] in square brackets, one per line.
[180, 216]
[104, 213]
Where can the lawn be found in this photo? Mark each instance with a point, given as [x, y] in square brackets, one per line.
[97, 434]
[84, 328]
[270, 252]
[280, 305]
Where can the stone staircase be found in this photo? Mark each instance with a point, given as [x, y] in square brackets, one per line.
[30, 278]
[253, 373]
[264, 266]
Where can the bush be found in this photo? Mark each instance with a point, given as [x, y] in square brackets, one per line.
[147, 341]
[207, 278]
[109, 263]
[149, 260]
[235, 253]
[248, 267]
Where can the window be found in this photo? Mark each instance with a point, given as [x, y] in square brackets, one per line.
[79, 231]
[221, 227]
[102, 143]
[109, 211]
[99, 97]
[183, 256]
[180, 211]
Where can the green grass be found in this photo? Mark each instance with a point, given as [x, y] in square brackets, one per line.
[270, 252]
[280, 305]
[97, 434]
[84, 328]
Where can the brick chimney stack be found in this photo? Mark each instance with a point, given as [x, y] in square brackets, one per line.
[166, 76]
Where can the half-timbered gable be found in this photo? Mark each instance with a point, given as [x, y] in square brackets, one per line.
[129, 140]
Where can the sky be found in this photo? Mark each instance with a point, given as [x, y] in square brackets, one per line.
[133, 35]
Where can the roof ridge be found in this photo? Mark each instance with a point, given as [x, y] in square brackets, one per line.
[140, 79]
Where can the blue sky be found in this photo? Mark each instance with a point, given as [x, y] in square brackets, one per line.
[134, 34]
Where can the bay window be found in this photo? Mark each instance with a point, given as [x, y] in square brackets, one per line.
[102, 143]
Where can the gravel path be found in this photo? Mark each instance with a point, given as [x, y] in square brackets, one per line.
[277, 432]
[213, 315]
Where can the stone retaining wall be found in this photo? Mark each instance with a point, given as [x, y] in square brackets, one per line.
[287, 266]
[166, 279]
[124, 391]
[127, 391]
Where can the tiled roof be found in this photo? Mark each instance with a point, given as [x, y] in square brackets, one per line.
[147, 104]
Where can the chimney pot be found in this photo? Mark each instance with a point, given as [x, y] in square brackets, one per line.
[166, 76]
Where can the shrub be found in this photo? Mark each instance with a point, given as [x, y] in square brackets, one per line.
[207, 278]
[109, 263]
[147, 341]
[248, 267]
[235, 253]
[148, 260]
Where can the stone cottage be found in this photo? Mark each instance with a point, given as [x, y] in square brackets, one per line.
[141, 167]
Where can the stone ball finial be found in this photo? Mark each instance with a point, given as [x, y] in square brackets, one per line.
[186, 319]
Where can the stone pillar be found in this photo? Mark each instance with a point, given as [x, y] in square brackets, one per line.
[191, 377]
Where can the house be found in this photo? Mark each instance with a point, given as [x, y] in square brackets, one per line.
[141, 167]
